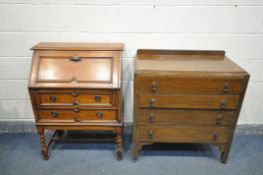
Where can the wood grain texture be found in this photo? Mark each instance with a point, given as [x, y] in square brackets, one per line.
[76, 86]
[186, 97]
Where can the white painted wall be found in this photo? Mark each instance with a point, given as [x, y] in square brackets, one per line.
[235, 26]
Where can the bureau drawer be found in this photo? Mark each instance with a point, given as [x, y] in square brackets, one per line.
[189, 134]
[76, 98]
[188, 101]
[77, 115]
[188, 85]
[217, 118]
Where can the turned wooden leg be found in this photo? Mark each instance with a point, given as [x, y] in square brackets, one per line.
[225, 148]
[119, 142]
[44, 148]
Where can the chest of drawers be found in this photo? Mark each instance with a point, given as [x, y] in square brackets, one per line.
[76, 86]
[186, 97]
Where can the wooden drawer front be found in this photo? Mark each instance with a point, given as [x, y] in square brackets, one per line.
[76, 115]
[190, 134]
[188, 101]
[188, 85]
[217, 118]
[75, 98]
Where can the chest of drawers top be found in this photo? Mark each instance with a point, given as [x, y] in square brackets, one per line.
[76, 65]
[186, 63]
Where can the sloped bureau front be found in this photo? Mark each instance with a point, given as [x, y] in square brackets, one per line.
[76, 86]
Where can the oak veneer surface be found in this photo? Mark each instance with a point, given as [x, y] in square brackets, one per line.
[186, 96]
[76, 86]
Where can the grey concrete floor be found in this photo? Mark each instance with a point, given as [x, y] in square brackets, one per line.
[20, 155]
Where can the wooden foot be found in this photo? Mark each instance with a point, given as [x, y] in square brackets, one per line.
[44, 148]
[224, 153]
[119, 142]
[135, 152]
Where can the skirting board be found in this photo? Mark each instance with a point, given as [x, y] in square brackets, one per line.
[29, 127]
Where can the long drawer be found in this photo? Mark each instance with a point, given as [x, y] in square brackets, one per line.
[186, 134]
[188, 101]
[76, 115]
[166, 84]
[76, 98]
[218, 118]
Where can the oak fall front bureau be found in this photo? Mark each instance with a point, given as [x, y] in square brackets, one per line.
[76, 86]
[186, 97]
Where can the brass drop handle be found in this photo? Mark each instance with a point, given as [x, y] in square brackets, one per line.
[75, 59]
[76, 109]
[153, 102]
[153, 86]
[151, 118]
[219, 119]
[223, 104]
[74, 94]
[226, 87]
[97, 98]
[75, 102]
[150, 134]
[54, 114]
[99, 114]
[215, 136]
[52, 98]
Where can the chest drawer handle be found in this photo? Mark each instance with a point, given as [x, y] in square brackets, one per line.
[99, 114]
[154, 86]
[98, 98]
[151, 118]
[150, 134]
[75, 59]
[75, 103]
[76, 109]
[215, 136]
[226, 87]
[223, 104]
[74, 94]
[53, 98]
[54, 114]
[153, 102]
[219, 119]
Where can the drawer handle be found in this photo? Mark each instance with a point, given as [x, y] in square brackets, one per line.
[75, 59]
[154, 86]
[78, 120]
[150, 134]
[99, 114]
[215, 136]
[74, 94]
[151, 118]
[226, 87]
[76, 109]
[52, 98]
[75, 103]
[54, 114]
[219, 119]
[223, 104]
[153, 102]
[98, 98]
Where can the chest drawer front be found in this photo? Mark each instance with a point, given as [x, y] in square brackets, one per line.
[188, 85]
[216, 118]
[187, 134]
[76, 98]
[77, 115]
[188, 101]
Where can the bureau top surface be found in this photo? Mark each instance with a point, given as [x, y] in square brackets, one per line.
[78, 46]
[185, 61]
